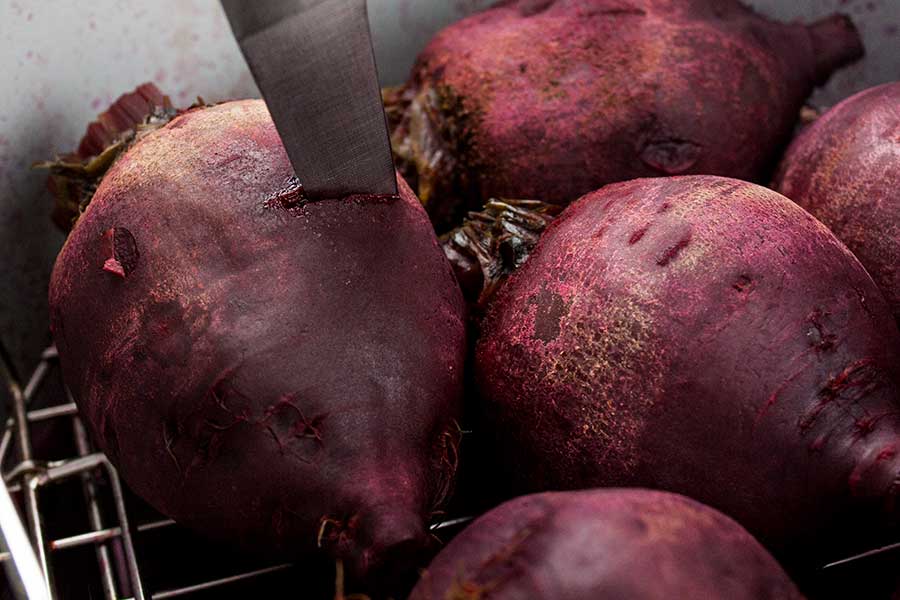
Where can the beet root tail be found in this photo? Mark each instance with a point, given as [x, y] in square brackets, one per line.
[374, 542]
[836, 42]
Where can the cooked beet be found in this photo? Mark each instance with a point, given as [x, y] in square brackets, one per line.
[705, 336]
[551, 99]
[271, 371]
[634, 544]
[845, 170]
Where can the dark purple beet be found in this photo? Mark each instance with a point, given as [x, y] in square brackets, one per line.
[277, 373]
[551, 99]
[604, 544]
[705, 336]
[845, 170]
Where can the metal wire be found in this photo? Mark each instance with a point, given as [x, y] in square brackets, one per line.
[107, 577]
[29, 474]
[208, 585]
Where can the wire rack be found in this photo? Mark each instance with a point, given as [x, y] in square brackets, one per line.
[111, 533]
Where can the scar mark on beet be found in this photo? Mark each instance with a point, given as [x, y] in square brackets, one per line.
[851, 385]
[743, 285]
[867, 424]
[120, 252]
[670, 253]
[299, 427]
[671, 156]
[623, 11]
[309, 428]
[854, 382]
[886, 453]
[637, 235]
[551, 308]
[816, 335]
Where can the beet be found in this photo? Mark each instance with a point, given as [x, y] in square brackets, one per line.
[272, 371]
[845, 170]
[551, 99]
[705, 336]
[635, 544]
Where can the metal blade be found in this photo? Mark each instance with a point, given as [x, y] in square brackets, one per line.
[314, 63]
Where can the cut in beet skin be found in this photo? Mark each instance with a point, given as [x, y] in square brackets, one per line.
[595, 544]
[551, 99]
[845, 170]
[705, 336]
[275, 372]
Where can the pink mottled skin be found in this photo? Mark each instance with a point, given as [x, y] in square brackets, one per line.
[845, 170]
[598, 544]
[705, 336]
[551, 99]
[275, 374]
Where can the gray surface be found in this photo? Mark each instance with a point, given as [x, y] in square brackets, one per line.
[64, 61]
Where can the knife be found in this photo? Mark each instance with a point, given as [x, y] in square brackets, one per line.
[314, 64]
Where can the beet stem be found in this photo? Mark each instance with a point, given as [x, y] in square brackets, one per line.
[836, 42]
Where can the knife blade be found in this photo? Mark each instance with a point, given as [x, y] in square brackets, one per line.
[314, 64]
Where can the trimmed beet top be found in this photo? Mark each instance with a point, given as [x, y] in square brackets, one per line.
[599, 544]
[705, 336]
[278, 373]
[551, 99]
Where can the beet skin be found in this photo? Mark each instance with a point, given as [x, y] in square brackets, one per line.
[588, 545]
[270, 371]
[845, 170]
[551, 99]
[705, 336]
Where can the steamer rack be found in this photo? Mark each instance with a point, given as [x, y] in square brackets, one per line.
[70, 529]
[89, 538]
